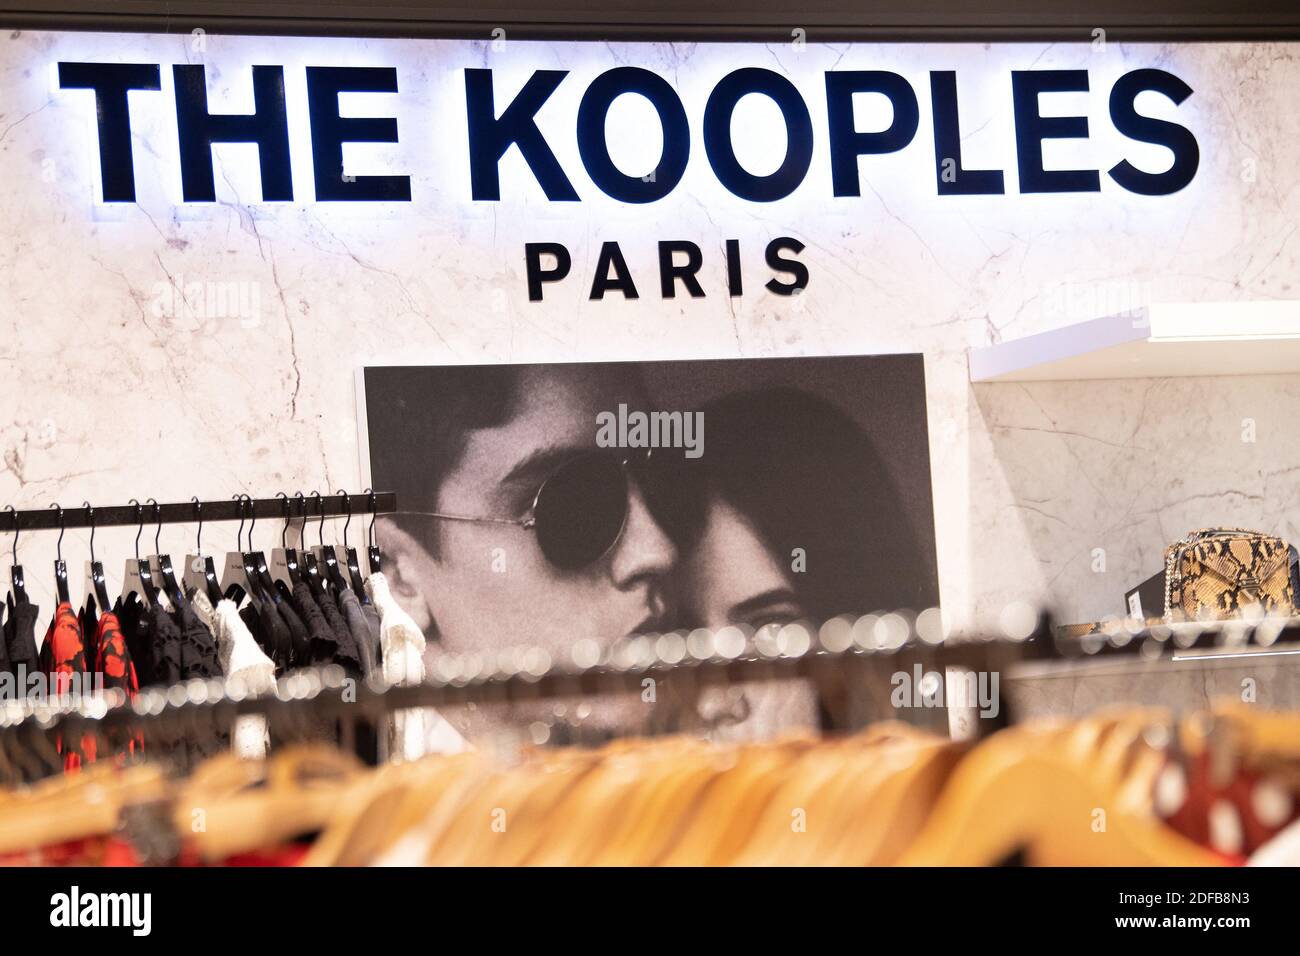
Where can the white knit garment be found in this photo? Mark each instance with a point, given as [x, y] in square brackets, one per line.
[401, 642]
[241, 658]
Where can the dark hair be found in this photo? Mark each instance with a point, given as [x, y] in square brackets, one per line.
[417, 419]
[808, 476]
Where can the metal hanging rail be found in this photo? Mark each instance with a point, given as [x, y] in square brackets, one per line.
[54, 518]
[319, 691]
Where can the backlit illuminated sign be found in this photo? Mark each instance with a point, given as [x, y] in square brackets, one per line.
[814, 139]
[494, 128]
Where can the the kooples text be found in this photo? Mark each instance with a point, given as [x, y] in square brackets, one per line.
[495, 128]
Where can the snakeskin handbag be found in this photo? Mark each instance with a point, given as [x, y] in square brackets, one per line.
[1215, 573]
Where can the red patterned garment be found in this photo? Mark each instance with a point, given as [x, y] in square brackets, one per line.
[114, 657]
[67, 674]
[114, 662]
[112, 850]
[1233, 812]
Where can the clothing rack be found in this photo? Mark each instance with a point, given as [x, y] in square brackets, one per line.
[55, 518]
[320, 692]
[325, 693]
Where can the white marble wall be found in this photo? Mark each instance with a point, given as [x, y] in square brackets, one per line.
[106, 396]
[1075, 689]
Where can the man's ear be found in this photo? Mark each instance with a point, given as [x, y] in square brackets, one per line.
[408, 567]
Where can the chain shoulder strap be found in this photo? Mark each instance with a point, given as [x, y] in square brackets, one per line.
[1173, 563]
[1169, 582]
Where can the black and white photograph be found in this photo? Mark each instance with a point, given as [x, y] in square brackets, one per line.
[547, 505]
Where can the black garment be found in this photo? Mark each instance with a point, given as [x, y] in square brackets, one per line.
[350, 608]
[89, 621]
[278, 635]
[270, 632]
[348, 654]
[133, 617]
[46, 658]
[168, 655]
[5, 667]
[323, 642]
[299, 637]
[326, 647]
[248, 614]
[20, 637]
[198, 646]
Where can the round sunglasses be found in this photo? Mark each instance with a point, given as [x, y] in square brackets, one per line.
[581, 508]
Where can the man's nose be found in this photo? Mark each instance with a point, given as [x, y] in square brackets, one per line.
[644, 550]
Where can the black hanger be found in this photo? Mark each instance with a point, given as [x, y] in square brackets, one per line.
[60, 569]
[290, 554]
[330, 557]
[233, 579]
[165, 569]
[260, 574]
[141, 569]
[350, 553]
[96, 567]
[210, 583]
[313, 577]
[247, 562]
[16, 570]
[372, 552]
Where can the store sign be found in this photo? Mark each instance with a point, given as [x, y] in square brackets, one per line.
[493, 130]
[497, 124]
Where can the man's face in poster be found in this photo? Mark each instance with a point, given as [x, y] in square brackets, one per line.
[486, 585]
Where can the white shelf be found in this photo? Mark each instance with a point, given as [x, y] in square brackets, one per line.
[1158, 341]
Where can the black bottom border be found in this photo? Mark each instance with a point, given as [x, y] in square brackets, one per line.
[204, 907]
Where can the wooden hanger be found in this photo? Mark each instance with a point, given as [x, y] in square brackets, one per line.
[533, 823]
[899, 808]
[388, 808]
[836, 813]
[1263, 731]
[793, 812]
[428, 841]
[653, 812]
[358, 830]
[683, 827]
[723, 820]
[466, 837]
[1015, 791]
[78, 806]
[898, 778]
[261, 804]
[672, 770]
[496, 836]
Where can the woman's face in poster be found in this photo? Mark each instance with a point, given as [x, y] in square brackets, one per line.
[732, 576]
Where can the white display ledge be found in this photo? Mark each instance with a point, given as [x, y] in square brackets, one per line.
[1157, 341]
